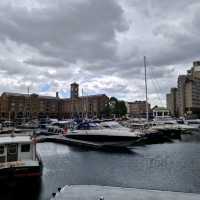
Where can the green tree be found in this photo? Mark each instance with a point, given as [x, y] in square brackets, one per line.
[122, 110]
[107, 111]
[118, 108]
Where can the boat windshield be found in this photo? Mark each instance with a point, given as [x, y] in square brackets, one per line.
[89, 126]
[111, 125]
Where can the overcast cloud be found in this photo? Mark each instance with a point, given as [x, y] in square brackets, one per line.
[100, 44]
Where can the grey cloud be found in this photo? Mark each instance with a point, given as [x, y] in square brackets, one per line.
[72, 30]
[45, 62]
[85, 40]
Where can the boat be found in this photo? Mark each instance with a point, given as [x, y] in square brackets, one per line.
[18, 157]
[195, 123]
[94, 132]
[113, 125]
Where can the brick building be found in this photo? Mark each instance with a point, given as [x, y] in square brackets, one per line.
[18, 106]
[137, 109]
[83, 106]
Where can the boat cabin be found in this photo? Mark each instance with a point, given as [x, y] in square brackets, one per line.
[65, 124]
[54, 130]
[16, 148]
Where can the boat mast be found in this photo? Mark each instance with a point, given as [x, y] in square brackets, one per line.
[147, 108]
[82, 102]
[28, 106]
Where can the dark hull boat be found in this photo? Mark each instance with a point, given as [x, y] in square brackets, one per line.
[23, 172]
[101, 138]
[18, 158]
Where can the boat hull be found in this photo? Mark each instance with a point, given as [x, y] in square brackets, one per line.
[13, 173]
[101, 138]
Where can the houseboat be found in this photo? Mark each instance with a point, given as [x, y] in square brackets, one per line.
[18, 158]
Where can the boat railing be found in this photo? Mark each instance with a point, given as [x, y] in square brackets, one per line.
[14, 134]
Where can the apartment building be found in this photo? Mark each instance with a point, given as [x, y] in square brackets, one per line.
[185, 100]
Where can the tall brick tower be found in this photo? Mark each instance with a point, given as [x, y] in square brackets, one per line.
[74, 90]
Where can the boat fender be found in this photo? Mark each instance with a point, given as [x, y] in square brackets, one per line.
[65, 131]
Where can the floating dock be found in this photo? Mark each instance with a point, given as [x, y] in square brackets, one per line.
[74, 142]
[92, 192]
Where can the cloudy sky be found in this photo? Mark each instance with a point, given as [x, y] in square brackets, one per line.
[100, 44]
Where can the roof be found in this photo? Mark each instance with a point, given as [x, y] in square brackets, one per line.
[89, 96]
[13, 94]
[74, 83]
[8, 139]
[27, 95]
[47, 97]
[95, 95]
[160, 109]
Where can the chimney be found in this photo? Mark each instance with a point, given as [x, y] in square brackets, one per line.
[57, 95]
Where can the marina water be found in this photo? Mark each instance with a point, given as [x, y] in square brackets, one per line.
[170, 166]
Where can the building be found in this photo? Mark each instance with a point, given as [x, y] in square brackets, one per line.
[16, 106]
[185, 100]
[20, 106]
[83, 106]
[160, 112]
[137, 109]
[171, 102]
[74, 90]
[168, 101]
[181, 94]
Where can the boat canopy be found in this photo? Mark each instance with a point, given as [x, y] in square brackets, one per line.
[12, 139]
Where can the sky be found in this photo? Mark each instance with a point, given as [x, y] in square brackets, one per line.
[100, 44]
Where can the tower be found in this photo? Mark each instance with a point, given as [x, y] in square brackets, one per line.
[74, 90]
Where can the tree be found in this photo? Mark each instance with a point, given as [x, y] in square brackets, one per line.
[122, 108]
[118, 108]
[106, 111]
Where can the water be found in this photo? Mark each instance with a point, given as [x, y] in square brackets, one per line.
[173, 167]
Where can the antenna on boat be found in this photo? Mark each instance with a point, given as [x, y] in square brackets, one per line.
[147, 108]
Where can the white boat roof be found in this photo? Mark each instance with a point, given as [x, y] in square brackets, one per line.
[105, 132]
[8, 139]
[92, 192]
[64, 121]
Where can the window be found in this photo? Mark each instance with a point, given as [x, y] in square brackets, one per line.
[25, 148]
[1, 149]
[12, 148]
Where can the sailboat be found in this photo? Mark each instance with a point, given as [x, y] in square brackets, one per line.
[169, 125]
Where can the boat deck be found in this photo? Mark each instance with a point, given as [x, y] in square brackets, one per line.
[91, 192]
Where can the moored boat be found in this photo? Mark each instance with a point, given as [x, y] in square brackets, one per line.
[94, 132]
[18, 157]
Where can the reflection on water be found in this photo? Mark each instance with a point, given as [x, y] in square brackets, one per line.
[174, 167]
[26, 190]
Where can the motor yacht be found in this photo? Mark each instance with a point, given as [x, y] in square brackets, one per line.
[95, 132]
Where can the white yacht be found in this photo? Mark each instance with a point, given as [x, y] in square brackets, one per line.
[169, 124]
[195, 123]
[95, 132]
[18, 158]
